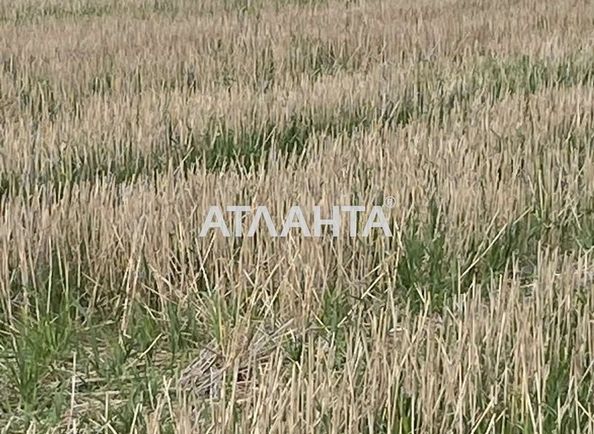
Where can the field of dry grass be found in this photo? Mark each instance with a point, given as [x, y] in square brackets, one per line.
[121, 122]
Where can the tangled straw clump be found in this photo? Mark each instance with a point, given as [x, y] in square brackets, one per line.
[205, 376]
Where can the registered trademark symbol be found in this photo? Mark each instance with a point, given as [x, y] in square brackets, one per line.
[390, 202]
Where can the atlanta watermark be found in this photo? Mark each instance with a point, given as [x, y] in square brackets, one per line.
[295, 221]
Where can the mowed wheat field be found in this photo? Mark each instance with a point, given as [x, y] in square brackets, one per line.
[121, 122]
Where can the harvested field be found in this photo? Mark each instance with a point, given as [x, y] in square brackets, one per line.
[122, 122]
